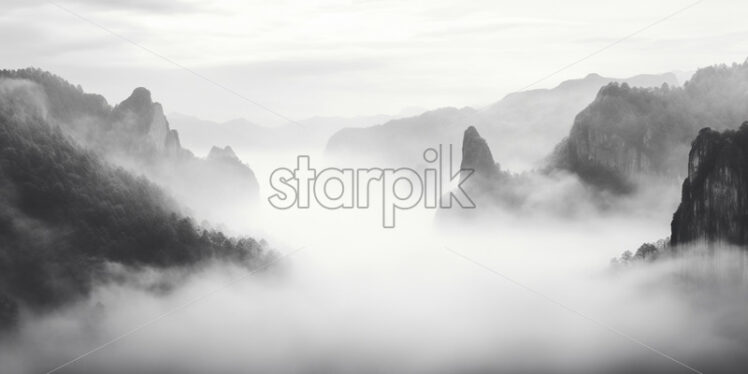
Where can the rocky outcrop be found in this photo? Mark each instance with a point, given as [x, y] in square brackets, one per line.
[628, 135]
[136, 112]
[138, 119]
[476, 156]
[222, 154]
[494, 190]
[714, 202]
[623, 135]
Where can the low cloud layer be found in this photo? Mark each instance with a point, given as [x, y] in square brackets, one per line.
[400, 302]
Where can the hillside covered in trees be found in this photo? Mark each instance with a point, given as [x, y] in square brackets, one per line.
[65, 214]
[135, 134]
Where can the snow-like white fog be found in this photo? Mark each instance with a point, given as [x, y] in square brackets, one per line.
[507, 294]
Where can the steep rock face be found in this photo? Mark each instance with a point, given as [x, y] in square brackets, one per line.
[477, 156]
[714, 203]
[483, 180]
[173, 145]
[137, 111]
[139, 120]
[625, 134]
[628, 134]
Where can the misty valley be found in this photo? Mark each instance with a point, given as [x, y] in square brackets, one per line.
[596, 226]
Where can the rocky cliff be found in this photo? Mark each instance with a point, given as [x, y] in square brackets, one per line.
[629, 134]
[714, 202]
[476, 156]
[138, 121]
[494, 190]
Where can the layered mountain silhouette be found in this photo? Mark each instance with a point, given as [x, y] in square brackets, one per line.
[628, 134]
[245, 136]
[67, 216]
[540, 116]
[136, 135]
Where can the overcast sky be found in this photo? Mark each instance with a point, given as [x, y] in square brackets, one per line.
[304, 58]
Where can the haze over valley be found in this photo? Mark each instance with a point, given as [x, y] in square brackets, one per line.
[373, 187]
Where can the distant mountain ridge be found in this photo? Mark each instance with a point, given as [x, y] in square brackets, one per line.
[306, 135]
[541, 116]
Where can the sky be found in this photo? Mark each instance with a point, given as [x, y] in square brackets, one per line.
[350, 58]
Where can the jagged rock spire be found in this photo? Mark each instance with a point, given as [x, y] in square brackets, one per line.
[477, 156]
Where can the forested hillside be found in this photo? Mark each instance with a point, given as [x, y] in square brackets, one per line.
[135, 134]
[64, 214]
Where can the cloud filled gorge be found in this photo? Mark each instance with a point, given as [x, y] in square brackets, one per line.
[358, 298]
[400, 303]
[367, 300]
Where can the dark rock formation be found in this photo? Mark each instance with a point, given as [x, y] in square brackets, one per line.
[476, 156]
[714, 203]
[138, 109]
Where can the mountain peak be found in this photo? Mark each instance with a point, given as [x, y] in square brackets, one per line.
[472, 132]
[139, 103]
[139, 100]
[218, 153]
[476, 155]
[141, 94]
